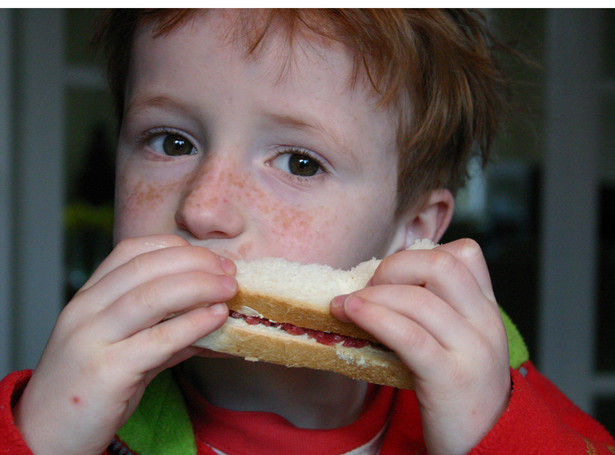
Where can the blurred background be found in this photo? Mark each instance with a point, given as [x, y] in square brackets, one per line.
[544, 212]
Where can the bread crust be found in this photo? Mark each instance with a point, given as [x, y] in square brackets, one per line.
[274, 345]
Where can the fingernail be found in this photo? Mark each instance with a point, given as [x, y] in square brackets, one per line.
[337, 307]
[227, 266]
[353, 303]
[228, 282]
[338, 302]
[218, 309]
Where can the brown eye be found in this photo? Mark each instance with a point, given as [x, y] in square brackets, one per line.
[302, 165]
[176, 145]
[298, 164]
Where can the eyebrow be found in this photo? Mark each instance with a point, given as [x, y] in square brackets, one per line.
[145, 102]
[312, 126]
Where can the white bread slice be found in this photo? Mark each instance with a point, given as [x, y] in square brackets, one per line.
[300, 294]
[274, 345]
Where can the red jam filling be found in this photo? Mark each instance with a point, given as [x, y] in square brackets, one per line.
[326, 338]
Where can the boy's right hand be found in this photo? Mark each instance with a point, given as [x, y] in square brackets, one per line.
[112, 339]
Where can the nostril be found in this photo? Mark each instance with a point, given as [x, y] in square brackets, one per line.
[180, 223]
[218, 235]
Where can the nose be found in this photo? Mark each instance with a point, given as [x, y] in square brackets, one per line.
[210, 204]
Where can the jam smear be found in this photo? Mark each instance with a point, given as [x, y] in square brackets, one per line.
[326, 338]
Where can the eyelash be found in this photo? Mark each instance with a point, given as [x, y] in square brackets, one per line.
[145, 139]
[294, 150]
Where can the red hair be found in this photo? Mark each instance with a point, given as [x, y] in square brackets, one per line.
[433, 67]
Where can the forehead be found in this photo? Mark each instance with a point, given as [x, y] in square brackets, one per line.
[302, 72]
[282, 42]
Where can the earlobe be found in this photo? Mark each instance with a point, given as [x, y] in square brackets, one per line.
[429, 219]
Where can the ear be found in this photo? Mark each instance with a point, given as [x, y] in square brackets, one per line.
[427, 220]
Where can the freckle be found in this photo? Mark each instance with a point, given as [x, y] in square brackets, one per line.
[75, 400]
[243, 250]
[142, 194]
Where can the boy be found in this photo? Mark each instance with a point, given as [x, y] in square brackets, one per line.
[317, 136]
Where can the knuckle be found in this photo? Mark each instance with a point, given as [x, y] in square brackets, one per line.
[442, 261]
[127, 244]
[69, 315]
[141, 300]
[469, 248]
[412, 339]
[163, 337]
[389, 269]
[383, 268]
[73, 317]
[136, 266]
[202, 255]
[146, 298]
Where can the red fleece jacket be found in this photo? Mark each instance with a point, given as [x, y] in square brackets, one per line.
[539, 419]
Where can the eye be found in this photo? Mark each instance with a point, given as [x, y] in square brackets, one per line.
[298, 163]
[171, 144]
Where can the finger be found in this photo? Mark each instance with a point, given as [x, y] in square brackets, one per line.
[150, 349]
[153, 265]
[438, 271]
[149, 303]
[415, 346]
[128, 249]
[471, 255]
[421, 306]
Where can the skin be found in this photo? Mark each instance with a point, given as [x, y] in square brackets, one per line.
[182, 220]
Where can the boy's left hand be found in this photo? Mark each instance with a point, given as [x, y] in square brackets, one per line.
[436, 309]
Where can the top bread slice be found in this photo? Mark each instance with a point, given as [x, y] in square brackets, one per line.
[300, 294]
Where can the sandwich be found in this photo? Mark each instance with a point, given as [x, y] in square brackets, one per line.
[281, 315]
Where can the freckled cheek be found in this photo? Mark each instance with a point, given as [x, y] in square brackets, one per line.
[275, 226]
[303, 235]
[331, 234]
[143, 207]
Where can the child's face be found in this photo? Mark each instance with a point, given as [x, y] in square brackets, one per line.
[271, 161]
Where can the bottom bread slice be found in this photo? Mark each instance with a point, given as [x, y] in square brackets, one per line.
[274, 345]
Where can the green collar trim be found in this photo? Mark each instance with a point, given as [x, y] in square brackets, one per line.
[518, 353]
[161, 425]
